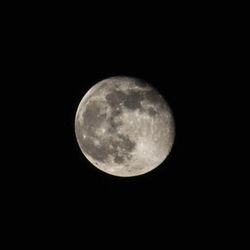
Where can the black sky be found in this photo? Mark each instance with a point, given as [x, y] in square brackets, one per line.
[177, 63]
[61, 57]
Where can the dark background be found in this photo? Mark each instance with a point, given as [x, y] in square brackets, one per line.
[60, 56]
[179, 63]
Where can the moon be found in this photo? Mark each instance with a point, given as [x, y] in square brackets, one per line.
[124, 126]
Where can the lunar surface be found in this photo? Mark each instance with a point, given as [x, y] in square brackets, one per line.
[124, 127]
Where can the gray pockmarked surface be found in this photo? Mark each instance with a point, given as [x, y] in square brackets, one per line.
[124, 127]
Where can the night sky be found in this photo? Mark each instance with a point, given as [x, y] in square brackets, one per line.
[178, 70]
[61, 61]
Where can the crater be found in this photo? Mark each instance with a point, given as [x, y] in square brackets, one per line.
[118, 159]
[151, 112]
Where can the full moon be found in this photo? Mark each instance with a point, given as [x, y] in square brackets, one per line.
[124, 126]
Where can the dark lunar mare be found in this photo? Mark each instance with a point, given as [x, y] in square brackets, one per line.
[133, 100]
[116, 97]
